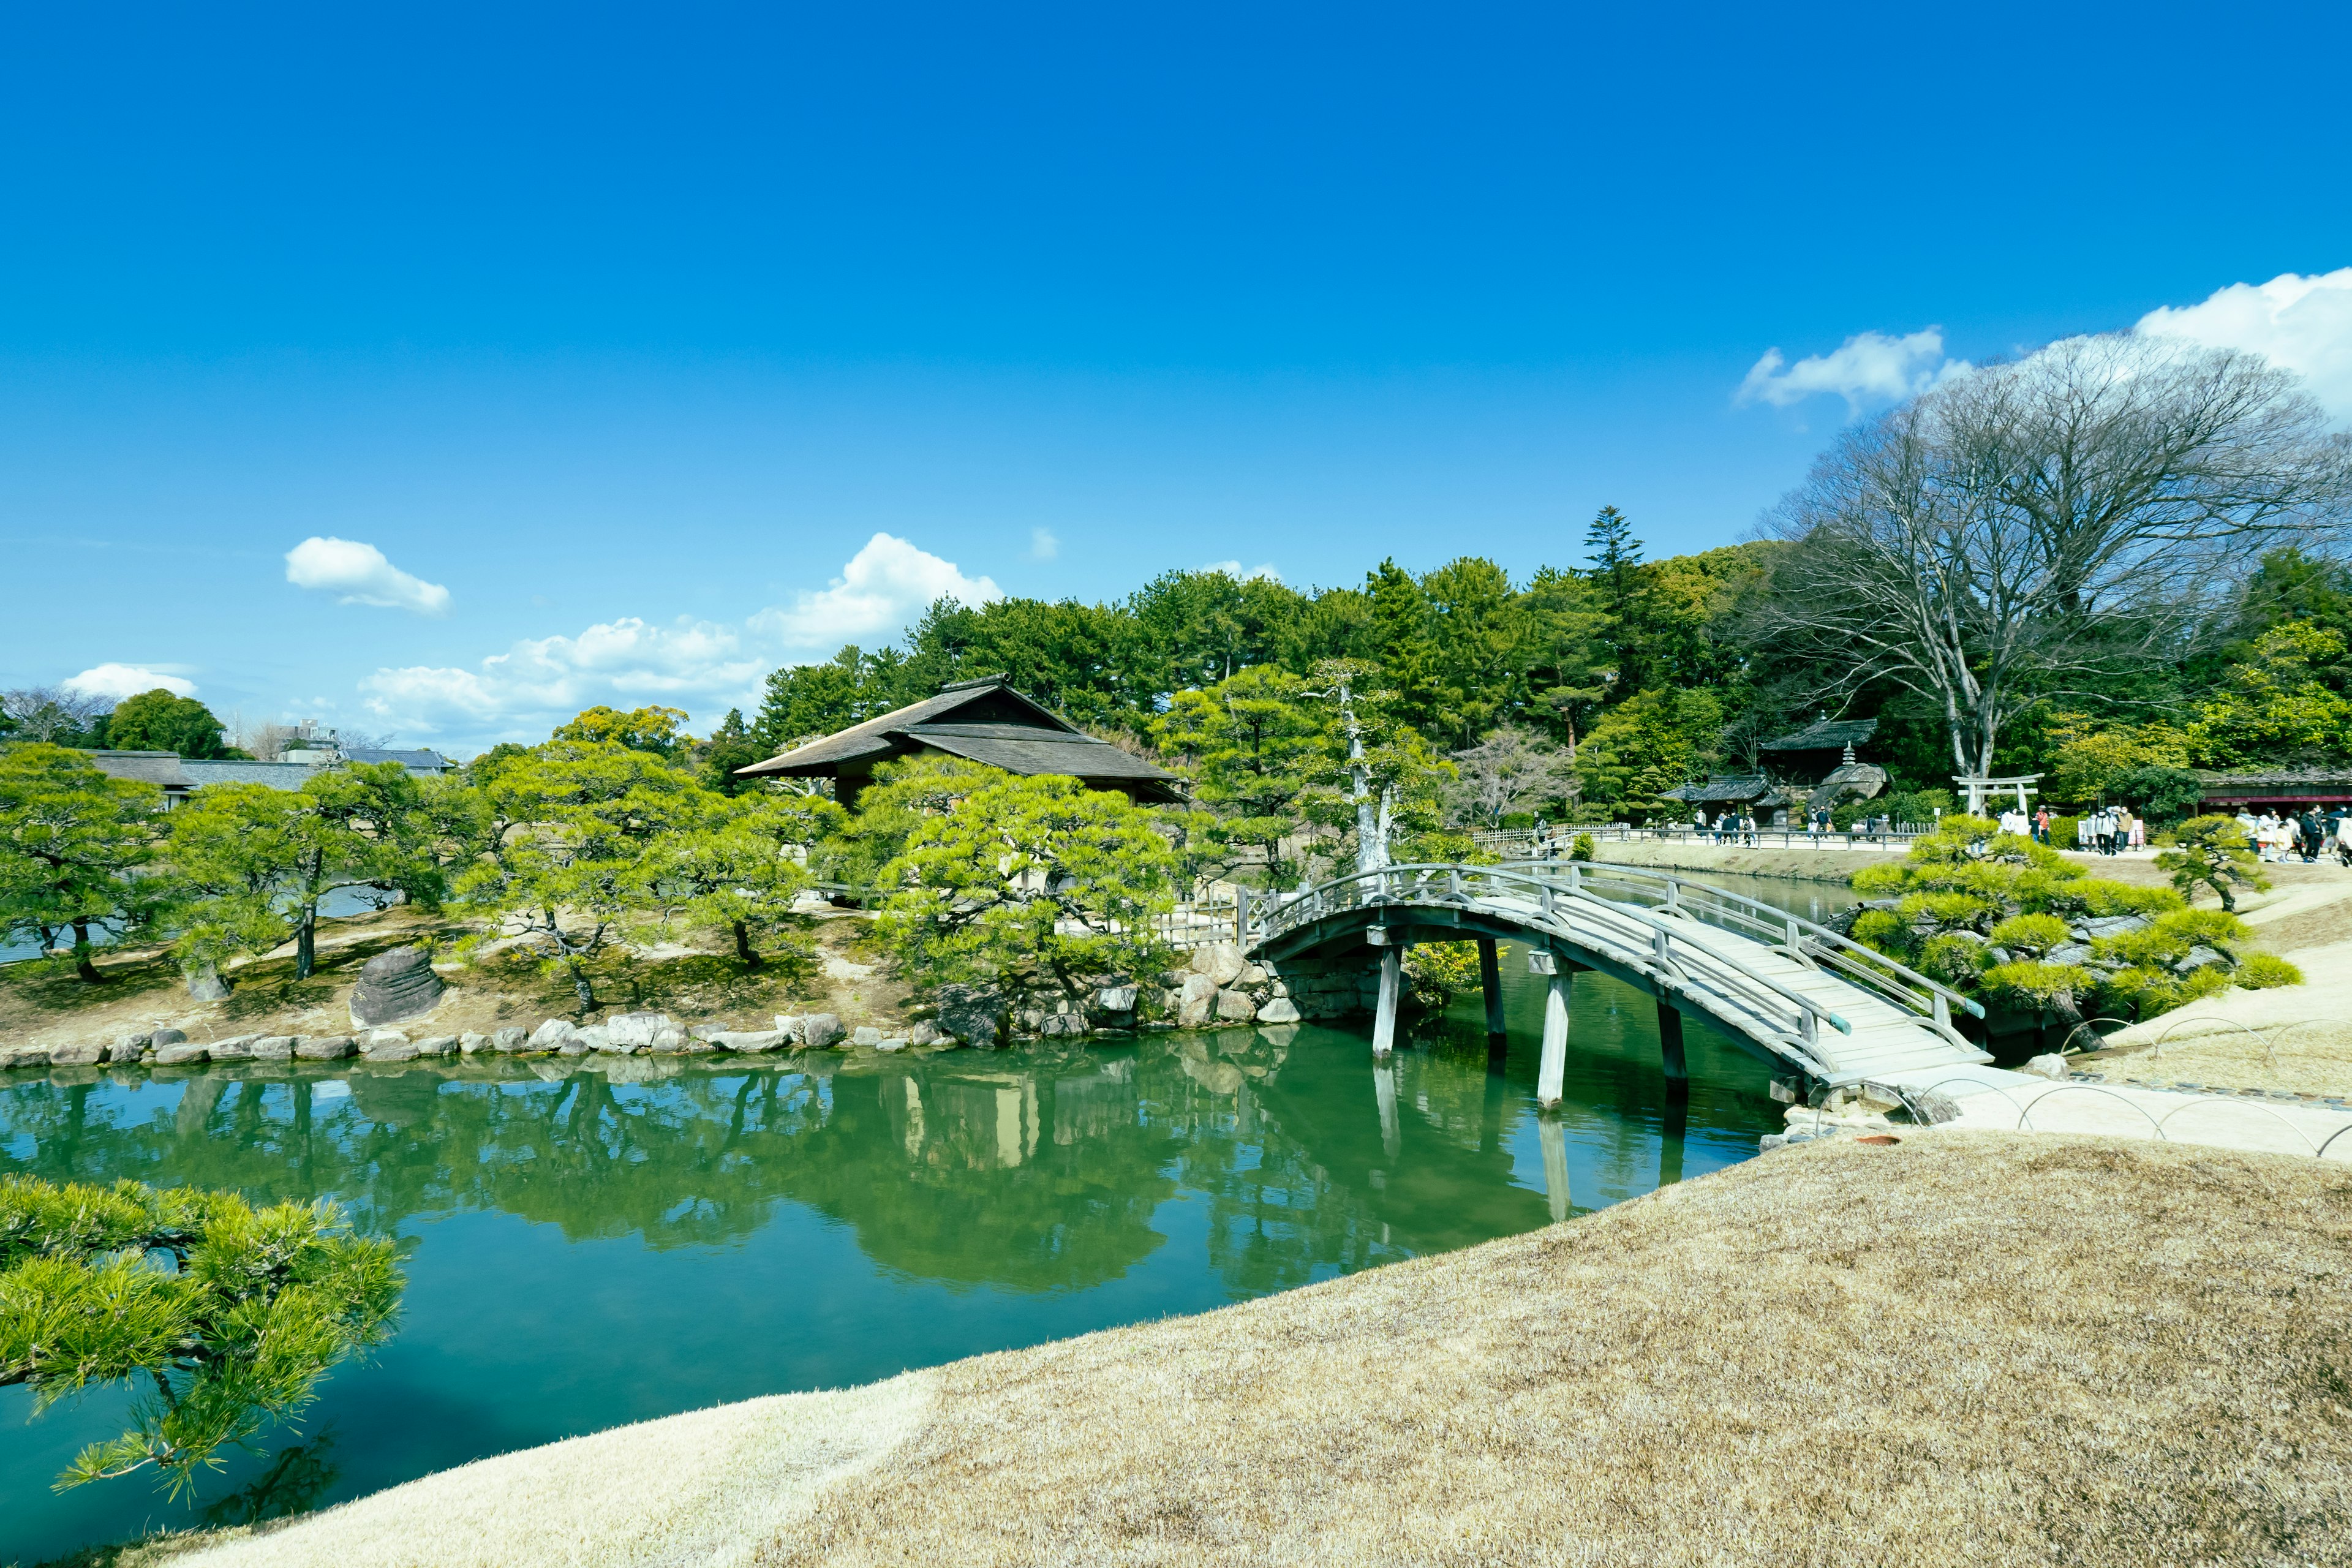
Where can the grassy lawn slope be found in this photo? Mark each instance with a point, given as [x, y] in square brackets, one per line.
[1968, 1347]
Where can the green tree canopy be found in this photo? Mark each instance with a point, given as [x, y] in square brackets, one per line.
[661, 730]
[731, 745]
[566, 848]
[250, 864]
[254, 1306]
[735, 865]
[1027, 876]
[1255, 748]
[158, 720]
[74, 845]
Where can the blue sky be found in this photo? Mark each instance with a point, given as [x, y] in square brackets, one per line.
[620, 355]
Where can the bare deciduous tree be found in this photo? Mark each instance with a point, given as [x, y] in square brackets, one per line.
[45, 712]
[1509, 769]
[2031, 529]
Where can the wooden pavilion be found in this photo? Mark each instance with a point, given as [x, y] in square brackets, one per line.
[983, 721]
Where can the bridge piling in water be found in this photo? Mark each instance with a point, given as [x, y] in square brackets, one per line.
[1490, 980]
[1670, 1041]
[1551, 1074]
[1384, 1020]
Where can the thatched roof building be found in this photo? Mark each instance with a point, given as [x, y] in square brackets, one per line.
[983, 721]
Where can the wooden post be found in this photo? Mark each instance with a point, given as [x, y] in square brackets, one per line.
[1553, 1072]
[1384, 1021]
[1490, 980]
[1670, 1042]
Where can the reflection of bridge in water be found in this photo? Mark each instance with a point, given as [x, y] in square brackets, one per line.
[1801, 995]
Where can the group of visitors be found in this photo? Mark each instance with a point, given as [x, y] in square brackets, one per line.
[2304, 836]
[2110, 830]
[1729, 826]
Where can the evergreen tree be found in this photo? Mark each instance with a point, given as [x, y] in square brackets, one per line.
[249, 864]
[1616, 557]
[1255, 748]
[256, 1305]
[158, 721]
[732, 746]
[74, 845]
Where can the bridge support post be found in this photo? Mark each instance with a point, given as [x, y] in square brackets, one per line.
[1384, 1021]
[1490, 980]
[1670, 1042]
[1552, 1075]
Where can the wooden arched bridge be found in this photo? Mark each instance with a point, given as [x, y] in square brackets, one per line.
[1798, 992]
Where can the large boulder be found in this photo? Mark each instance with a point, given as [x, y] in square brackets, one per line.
[325, 1048]
[1221, 961]
[631, 1032]
[510, 1039]
[165, 1037]
[1281, 1010]
[396, 985]
[1063, 1024]
[549, 1036]
[236, 1048]
[746, 1042]
[206, 984]
[38, 1056]
[1196, 1001]
[441, 1044]
[1236, 1007]
[273, 1048]
[821, 1031]
[972, 1013]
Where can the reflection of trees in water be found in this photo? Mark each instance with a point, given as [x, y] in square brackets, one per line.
[1035, 1171]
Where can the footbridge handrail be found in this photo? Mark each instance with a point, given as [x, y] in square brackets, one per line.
[1549, 884]
[1807, 939]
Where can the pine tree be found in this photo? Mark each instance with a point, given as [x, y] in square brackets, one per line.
[1616, 557]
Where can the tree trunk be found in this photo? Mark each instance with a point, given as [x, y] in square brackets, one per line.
[582, 990]
[743, 949]
[306, 940]
[82, 965]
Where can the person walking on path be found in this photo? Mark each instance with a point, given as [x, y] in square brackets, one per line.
[2042, 825]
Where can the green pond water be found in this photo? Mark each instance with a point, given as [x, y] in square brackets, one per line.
[587, 1246]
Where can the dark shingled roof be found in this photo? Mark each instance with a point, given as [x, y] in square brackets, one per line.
[1741, 789]
[983, 721]
[1824, 735]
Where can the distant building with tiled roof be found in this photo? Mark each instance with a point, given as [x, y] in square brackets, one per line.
[983, 722]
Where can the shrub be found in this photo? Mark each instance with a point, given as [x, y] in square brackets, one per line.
[1952, 959]
[1583, 848]
[1944, 911]
[2033, 935]
[2212, 852]
[2028, 982]
[1438, 970]
[2262, 970]
[1883, 930]
[2104, 898]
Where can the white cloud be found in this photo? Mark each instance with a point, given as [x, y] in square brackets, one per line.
[703, 666]
[887, 584]
[117, 681]
[1042, 545]
[2301, 323]
[1868, 367]
[363, 576]
[1234, 569]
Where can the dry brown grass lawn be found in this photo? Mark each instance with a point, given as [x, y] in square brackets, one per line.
[1968, 1348]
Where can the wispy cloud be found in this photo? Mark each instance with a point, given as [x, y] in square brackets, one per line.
[1867, 367]
[2302, 323]
[704, 667]
[117, 681]
[1042, 545]
[360, 575]
[1234, 569]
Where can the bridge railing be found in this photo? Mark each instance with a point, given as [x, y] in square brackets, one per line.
[1662, 945]
[1649, 898]
[1809, 940]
